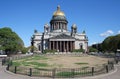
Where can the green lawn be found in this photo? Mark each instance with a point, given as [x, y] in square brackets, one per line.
[31, 61]
[81, 63]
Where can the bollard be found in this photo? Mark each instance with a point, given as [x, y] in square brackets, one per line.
[11, 63]
[116, 61]
[112, 65]
[53, 73]
[108, 62]
[8, 67]
[15, 69]
[73, 73]
[30, 72]
[92, 71]
[107, 69]
[2, 62]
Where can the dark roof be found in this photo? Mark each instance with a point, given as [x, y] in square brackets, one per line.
[62, 36]
[59, 18]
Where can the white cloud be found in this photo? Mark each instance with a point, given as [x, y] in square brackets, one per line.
[94, 43]
[107, 33]
[119, 32]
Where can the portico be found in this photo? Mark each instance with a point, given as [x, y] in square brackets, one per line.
[62, 43]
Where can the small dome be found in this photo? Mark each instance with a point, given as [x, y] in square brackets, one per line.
[46, 26]
[83, 32]
[58, 12]
[74, 26]
[35, 31]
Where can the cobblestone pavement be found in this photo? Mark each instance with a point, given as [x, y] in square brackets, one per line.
[8, 75]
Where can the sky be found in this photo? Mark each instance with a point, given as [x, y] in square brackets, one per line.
[99, 18]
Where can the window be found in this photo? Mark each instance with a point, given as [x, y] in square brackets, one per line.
[81, 46]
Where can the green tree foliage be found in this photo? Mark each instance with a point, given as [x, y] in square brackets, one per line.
[49, 51]
[32, 48]
[24, 50]
[78, 50]
[97, 46]
[106, 42]
[91, 49]
[111, 43]
[10, 42]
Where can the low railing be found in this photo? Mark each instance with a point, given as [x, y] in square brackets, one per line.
[62, 72]
[58, 72]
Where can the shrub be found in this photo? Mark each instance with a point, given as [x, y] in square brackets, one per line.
[49, 51]
[78, 50]
[91, 49]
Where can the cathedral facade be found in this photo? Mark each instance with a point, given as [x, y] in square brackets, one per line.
[57, 37]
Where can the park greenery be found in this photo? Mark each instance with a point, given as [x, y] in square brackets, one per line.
[110, 44]
[91, 49]
[49, 51]
[78, 50]
[42, 62]
[10, 42]
[31, 62]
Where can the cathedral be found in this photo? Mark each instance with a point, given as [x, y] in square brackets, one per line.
[57, 37]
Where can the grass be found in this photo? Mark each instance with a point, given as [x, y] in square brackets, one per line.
[65, 74]
[16, 63]
[46, 67]
[71, 74]
[85, 67]
[36, 64]
[31, 62]
[82, 63]
[33, 58]
[39, 58]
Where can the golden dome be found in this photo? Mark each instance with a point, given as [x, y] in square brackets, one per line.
[58, 12]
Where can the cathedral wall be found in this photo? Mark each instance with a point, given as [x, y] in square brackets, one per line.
[78, 43]
[38, 41]
[38, 44]
[80, 36]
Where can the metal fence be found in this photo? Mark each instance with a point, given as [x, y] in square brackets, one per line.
[58, 72]
[62, 72]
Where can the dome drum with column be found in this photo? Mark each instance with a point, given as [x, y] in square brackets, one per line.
[58, 20]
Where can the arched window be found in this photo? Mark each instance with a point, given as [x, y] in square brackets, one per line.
[81, 45]
[39, 46]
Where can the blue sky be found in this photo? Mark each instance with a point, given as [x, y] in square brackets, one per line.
[99, 18]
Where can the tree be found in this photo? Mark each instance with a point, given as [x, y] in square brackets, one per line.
[32, 48]
[24, 50]
[78, 50]
[10, 42]
[91, 49]
[111, 43]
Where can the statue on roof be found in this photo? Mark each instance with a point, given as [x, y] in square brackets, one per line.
[35, 31]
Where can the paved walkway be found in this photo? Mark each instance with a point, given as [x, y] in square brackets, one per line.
[8, 75]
